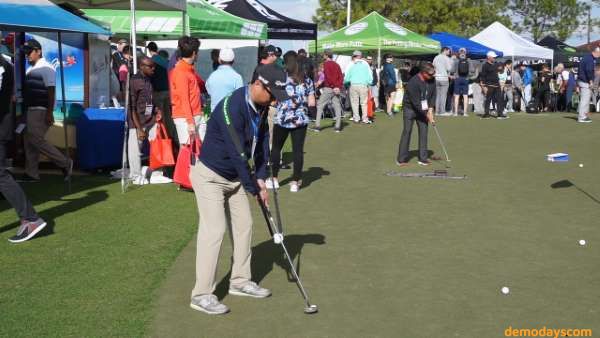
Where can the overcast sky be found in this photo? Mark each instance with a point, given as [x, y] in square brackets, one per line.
[304, 10]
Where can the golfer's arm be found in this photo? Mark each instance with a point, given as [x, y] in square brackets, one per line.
[51, 99]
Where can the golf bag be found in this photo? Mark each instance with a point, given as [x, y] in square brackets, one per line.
[532, 107]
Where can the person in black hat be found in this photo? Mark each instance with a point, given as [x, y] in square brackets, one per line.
[222, 179]
[38, 100]
[268, 55]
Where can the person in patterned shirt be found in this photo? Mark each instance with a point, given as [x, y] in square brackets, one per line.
[292, 119]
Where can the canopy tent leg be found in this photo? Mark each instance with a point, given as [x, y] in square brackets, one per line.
[63, 106]
[379, 58]
[316, 50]
[133, 36]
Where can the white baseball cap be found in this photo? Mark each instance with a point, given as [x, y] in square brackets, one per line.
[226, 55]
[492, 54]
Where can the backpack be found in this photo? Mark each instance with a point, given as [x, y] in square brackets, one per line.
[463, 67]
[384, 77]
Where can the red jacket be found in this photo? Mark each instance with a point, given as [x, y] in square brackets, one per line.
[333, 75]
[185, 91]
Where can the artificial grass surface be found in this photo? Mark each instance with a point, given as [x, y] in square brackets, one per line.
[381, 256]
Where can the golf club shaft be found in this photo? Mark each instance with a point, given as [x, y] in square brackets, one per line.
[272, 231]
[275, 197]
[441, 142]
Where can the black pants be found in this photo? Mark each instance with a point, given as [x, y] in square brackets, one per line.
[495, 95]
[12, 191]
[542, 97]
[280, 134]
[410, 117]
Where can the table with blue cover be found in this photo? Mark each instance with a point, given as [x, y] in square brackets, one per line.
[100, 138]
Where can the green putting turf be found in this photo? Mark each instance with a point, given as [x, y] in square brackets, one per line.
[381, 256]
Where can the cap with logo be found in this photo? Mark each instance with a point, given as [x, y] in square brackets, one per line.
[270, 49]
[31, 45]
[492, 54]
[357, 53]
[226, 55]
[274, 79]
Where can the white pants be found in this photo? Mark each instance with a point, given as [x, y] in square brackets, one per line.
[375, 94]
[527, 94]
[182, 128]
[134, 153]
[585, 97]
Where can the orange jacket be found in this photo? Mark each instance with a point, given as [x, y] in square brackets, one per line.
[185, 92]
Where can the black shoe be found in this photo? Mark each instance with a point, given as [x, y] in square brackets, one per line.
[316, 129]
[26, 179]
[486, 116]
[68, 171]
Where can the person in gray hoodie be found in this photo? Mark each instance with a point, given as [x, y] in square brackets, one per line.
[443, 67]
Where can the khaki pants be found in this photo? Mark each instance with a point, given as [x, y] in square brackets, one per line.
[35, 143]
[270, 118]
[358, 96]
[218, 198]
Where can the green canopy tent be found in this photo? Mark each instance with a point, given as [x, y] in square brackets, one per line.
[204, 21]
[374, 33]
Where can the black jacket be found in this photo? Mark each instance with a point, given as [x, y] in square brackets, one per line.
[7, 85]
[489, 74]
[416, 91]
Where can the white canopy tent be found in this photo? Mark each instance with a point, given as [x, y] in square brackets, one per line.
[513, 46]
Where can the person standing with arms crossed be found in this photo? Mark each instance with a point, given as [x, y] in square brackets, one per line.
[419, 98]
[443, 68]
[490, 83]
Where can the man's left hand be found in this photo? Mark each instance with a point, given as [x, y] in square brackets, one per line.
[49, 118]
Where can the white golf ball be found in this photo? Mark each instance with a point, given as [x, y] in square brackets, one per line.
[582, 242]
[505, 290]
[277, 238]
[580, 165]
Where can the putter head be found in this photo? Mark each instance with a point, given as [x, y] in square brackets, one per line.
[311, 309]
[440, 172]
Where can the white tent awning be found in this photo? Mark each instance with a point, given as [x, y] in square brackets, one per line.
[501, 38]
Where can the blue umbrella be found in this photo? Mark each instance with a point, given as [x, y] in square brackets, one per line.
[474, 50]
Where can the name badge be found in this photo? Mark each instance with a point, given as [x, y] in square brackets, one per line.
[424, 105]
[149, 109]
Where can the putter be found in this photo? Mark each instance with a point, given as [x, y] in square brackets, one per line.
[441, 143]
[441, 174]
[278, 239]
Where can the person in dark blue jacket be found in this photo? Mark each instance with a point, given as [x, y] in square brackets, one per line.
[585, 82]
[388, 81]
[237, 134]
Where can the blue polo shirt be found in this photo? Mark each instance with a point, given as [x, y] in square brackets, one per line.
[586, 69]
[218, 150]
[221, 83]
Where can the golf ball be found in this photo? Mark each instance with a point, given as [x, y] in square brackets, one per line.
[580, 165]
[277, 238]
[582, 242]
[505, 290]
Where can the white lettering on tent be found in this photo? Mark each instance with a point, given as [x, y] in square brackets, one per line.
[252, 30]
[171, 24]
[222, 4]
[262, 10]
[409, 44]
[395, 28]
[157, 24]
[342, 44]
[356, 28]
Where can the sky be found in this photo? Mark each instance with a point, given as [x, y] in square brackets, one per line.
[304, 10]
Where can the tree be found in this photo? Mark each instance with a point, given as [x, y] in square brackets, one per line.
[461, 17]
[540, 17]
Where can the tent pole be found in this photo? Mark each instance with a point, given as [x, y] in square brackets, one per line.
[133, 36]
[63, 107]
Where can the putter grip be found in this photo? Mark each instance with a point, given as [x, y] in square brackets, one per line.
[266, 215]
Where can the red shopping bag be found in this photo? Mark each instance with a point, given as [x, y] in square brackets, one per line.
[187, 153]
[161, 148]
[370, 106]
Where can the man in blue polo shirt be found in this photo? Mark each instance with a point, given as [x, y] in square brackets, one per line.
[224, 80]
[585, 81]
[222, 179]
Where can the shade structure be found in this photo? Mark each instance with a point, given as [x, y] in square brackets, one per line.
[501, 38]
[474, 50]
[563, 53]
[20, 16]
[157, 5]
[204, 20]
[374, 33]
[279, 26]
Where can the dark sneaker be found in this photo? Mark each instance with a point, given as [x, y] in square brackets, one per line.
[502, 117]
[316, 129]
[209, 304]
[27, 179]
[486, 116]
[68, 171]
[27, 230]
[402, 164]
[424, 163]
[250, 289]
[585, 120]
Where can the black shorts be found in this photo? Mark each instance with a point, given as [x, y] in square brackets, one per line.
[387, 90]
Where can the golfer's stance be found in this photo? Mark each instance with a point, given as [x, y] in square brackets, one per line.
[418, 106]
[237, 135]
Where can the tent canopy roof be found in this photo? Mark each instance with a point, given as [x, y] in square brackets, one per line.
[19, 15]
[563, 53]
[205, 21]
[474, 50]
[503, 39]
[373, 33]
[279, 26]
[151, 5]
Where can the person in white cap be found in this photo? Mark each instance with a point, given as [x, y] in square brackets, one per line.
[359, 77]
[490, 84]
[224, 80]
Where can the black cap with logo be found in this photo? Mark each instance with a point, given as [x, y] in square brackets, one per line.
[274, 79]
[31, 45]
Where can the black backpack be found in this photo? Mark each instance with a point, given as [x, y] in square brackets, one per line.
[463, 67]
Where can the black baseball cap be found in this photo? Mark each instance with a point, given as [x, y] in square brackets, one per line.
[31, 45]
[270, 49]
[274, 79]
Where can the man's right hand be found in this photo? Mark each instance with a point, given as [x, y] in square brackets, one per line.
[141, 133]
[430, 117]
[484, 90]
[191, 129]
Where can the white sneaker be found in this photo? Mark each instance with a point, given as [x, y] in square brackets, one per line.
[272, 184]
[209, 304]
[139, 180]
[294, 187]
[250, 289]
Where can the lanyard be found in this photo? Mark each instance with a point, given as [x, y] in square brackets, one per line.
[254, 120]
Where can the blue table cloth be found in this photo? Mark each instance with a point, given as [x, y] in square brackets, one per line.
[100, 138]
